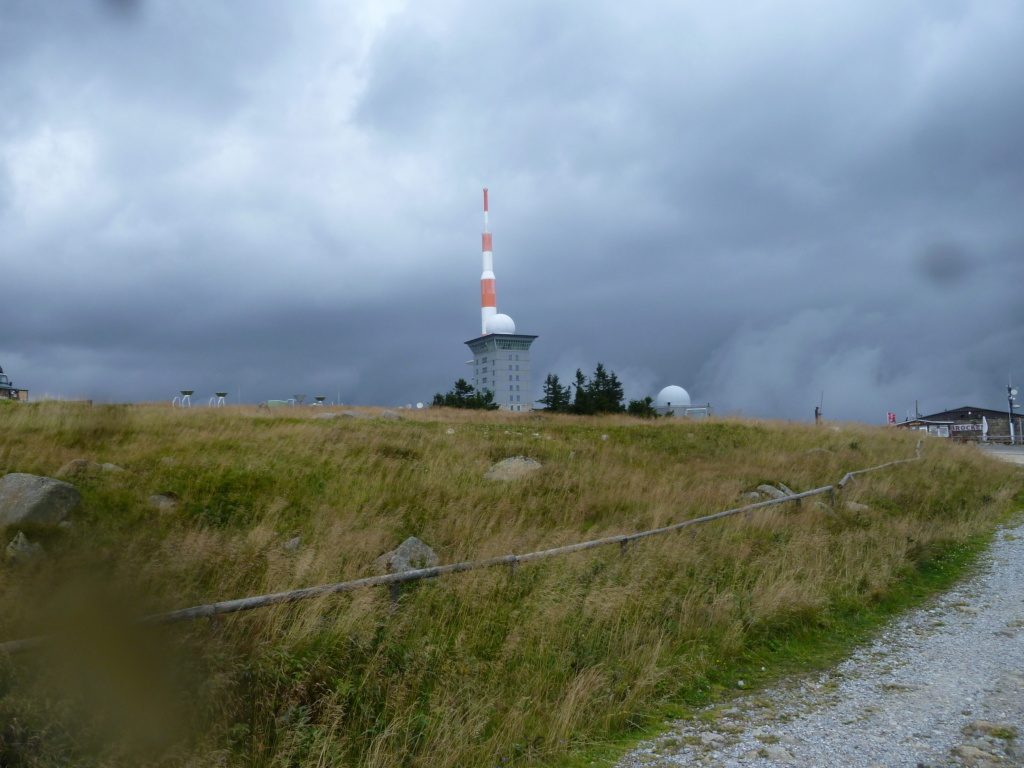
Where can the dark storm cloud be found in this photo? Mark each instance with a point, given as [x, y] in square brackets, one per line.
[756, 201]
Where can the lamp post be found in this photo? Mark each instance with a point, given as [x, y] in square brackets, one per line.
[1011, 393]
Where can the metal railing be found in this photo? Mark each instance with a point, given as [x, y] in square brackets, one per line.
[393, 580]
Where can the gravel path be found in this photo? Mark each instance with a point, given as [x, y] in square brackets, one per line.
[941, 686]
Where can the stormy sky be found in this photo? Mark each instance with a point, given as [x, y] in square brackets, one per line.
[757, 200]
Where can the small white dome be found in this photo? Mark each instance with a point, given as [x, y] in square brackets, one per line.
[672, 396]
[500, 324]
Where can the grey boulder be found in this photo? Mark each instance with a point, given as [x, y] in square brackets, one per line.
[411, 555]
[772, 491]
[21, 549]
[512, 468]
[34, 499]
[165, 502]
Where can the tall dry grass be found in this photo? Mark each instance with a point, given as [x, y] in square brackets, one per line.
[483, 668]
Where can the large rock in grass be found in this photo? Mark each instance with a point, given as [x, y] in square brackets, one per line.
[771, 491]
[411, 555]
[33, 499]
[512, 468]
[391, 415]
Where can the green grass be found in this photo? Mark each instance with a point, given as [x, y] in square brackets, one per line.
[560, 662]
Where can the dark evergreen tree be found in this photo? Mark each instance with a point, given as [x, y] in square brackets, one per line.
[581, 402]
[556, 397]
[463, 395]
[604, 392]
[643, 408]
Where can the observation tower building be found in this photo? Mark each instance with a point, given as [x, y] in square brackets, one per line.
[501, 357]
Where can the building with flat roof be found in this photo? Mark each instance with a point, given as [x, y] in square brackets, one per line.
[501, 364]
[967, 423]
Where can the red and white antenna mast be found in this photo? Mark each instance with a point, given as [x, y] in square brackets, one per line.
[488, 295]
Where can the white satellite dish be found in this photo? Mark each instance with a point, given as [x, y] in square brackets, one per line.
[419, 405]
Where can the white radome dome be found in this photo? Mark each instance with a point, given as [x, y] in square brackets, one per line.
[672, 396]
[500, 324]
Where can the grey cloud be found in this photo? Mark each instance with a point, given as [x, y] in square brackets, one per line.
[754, 201]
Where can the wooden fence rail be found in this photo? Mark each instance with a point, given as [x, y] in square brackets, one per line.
[394, 579]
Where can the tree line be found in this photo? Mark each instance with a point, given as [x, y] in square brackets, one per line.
[599, 393]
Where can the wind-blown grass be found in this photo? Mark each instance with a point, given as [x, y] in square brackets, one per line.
[479, 669]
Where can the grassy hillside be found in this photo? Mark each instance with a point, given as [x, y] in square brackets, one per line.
[487, 668]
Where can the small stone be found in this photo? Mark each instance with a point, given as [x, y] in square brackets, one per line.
[449, 431]
[604, 437]
[512, 468]
[970, 610]
[391, 415]
[108, 467]
[856, 507]
[712, 739]
[78, 468]
[753, 496]
[354, 415]
[789, 491]
[751, 755]
[165, 502]
[21, 549]
[292, 545]
[326, 415]
[775, 752]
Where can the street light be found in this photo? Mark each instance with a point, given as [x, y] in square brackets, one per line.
[1010, 394]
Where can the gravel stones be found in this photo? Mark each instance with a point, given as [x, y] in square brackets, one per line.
[939, 687]
[513, 468]
[30, 498]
